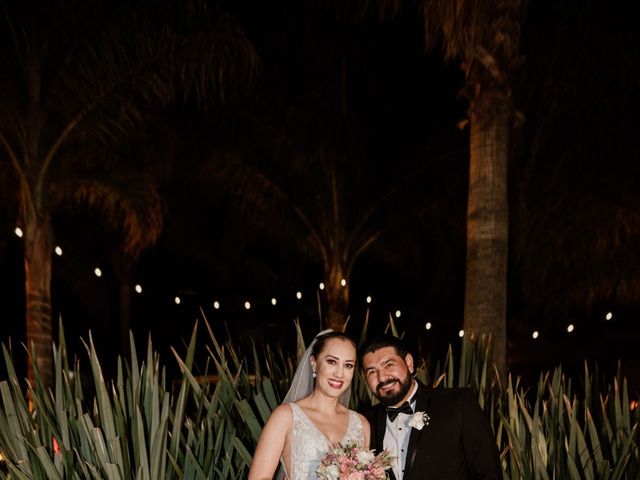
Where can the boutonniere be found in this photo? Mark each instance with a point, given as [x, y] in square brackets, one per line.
[419, 420]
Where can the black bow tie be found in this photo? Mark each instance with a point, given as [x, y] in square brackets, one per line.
[392, 412]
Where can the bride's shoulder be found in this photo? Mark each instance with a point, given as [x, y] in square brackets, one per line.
[362, 418]
[352, 412]
[282, 415]
[284, 409]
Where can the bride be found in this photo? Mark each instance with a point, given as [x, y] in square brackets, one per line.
[314, 415]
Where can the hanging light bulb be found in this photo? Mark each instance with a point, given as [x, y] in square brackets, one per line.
[343, 282]
[398, 313]
[58, 251]
[461, 333]
[177, 300]
[138, 288]
[18, 231]
[535, 335]
[247, 305]
[369, 299]
[427, 326]
[216, 305]
[570, 328]
[274, 301]
[97, 272]
[299, 295]
[321, 286]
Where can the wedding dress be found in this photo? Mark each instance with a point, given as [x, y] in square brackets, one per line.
[309, 444]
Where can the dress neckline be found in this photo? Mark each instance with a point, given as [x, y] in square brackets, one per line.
[346, 433]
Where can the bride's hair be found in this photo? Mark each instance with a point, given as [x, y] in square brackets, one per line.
[321, 341]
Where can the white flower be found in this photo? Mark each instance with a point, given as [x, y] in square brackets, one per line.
[419, 420]
[332, 472]
[365, 457]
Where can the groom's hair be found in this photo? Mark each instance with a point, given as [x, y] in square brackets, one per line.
[383, 342]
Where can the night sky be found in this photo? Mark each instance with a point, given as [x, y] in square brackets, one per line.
[388, 114]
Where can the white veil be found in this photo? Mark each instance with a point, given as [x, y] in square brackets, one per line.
[303, 382]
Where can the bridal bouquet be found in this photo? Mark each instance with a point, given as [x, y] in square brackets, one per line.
[352, 462]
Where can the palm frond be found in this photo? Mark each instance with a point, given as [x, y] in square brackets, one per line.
[129, 205]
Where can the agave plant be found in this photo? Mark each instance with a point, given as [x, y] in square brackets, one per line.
[562, 435]
[129, 428]
[135, 427]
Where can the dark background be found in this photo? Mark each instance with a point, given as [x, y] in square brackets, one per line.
[573, 189]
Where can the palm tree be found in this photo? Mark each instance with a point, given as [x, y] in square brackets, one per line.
[86, 75]
[120, 187]
[313, 193]
[484, 37]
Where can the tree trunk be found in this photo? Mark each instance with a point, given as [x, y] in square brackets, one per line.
[37, 265]
[337, 297]
[488, 223]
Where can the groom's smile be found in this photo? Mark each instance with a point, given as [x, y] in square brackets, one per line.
[386, 386]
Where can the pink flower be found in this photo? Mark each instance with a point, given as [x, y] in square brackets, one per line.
[356, 476]
[377, 471]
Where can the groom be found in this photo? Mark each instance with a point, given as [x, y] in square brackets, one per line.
[439, 434]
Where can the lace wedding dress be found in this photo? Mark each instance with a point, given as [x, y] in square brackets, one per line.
[309, 444]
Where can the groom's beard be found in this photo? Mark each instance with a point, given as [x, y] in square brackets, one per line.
[393, 398]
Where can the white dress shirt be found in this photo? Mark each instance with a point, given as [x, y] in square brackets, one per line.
[396, 437]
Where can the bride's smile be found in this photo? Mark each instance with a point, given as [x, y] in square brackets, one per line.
[335, 383]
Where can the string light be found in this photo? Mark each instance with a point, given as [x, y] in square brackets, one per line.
[608, 316]
[18, 232]
[247, 305]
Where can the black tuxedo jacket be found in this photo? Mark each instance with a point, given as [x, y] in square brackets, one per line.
[458, 443]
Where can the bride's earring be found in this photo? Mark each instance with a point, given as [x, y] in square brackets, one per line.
[314, 371]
